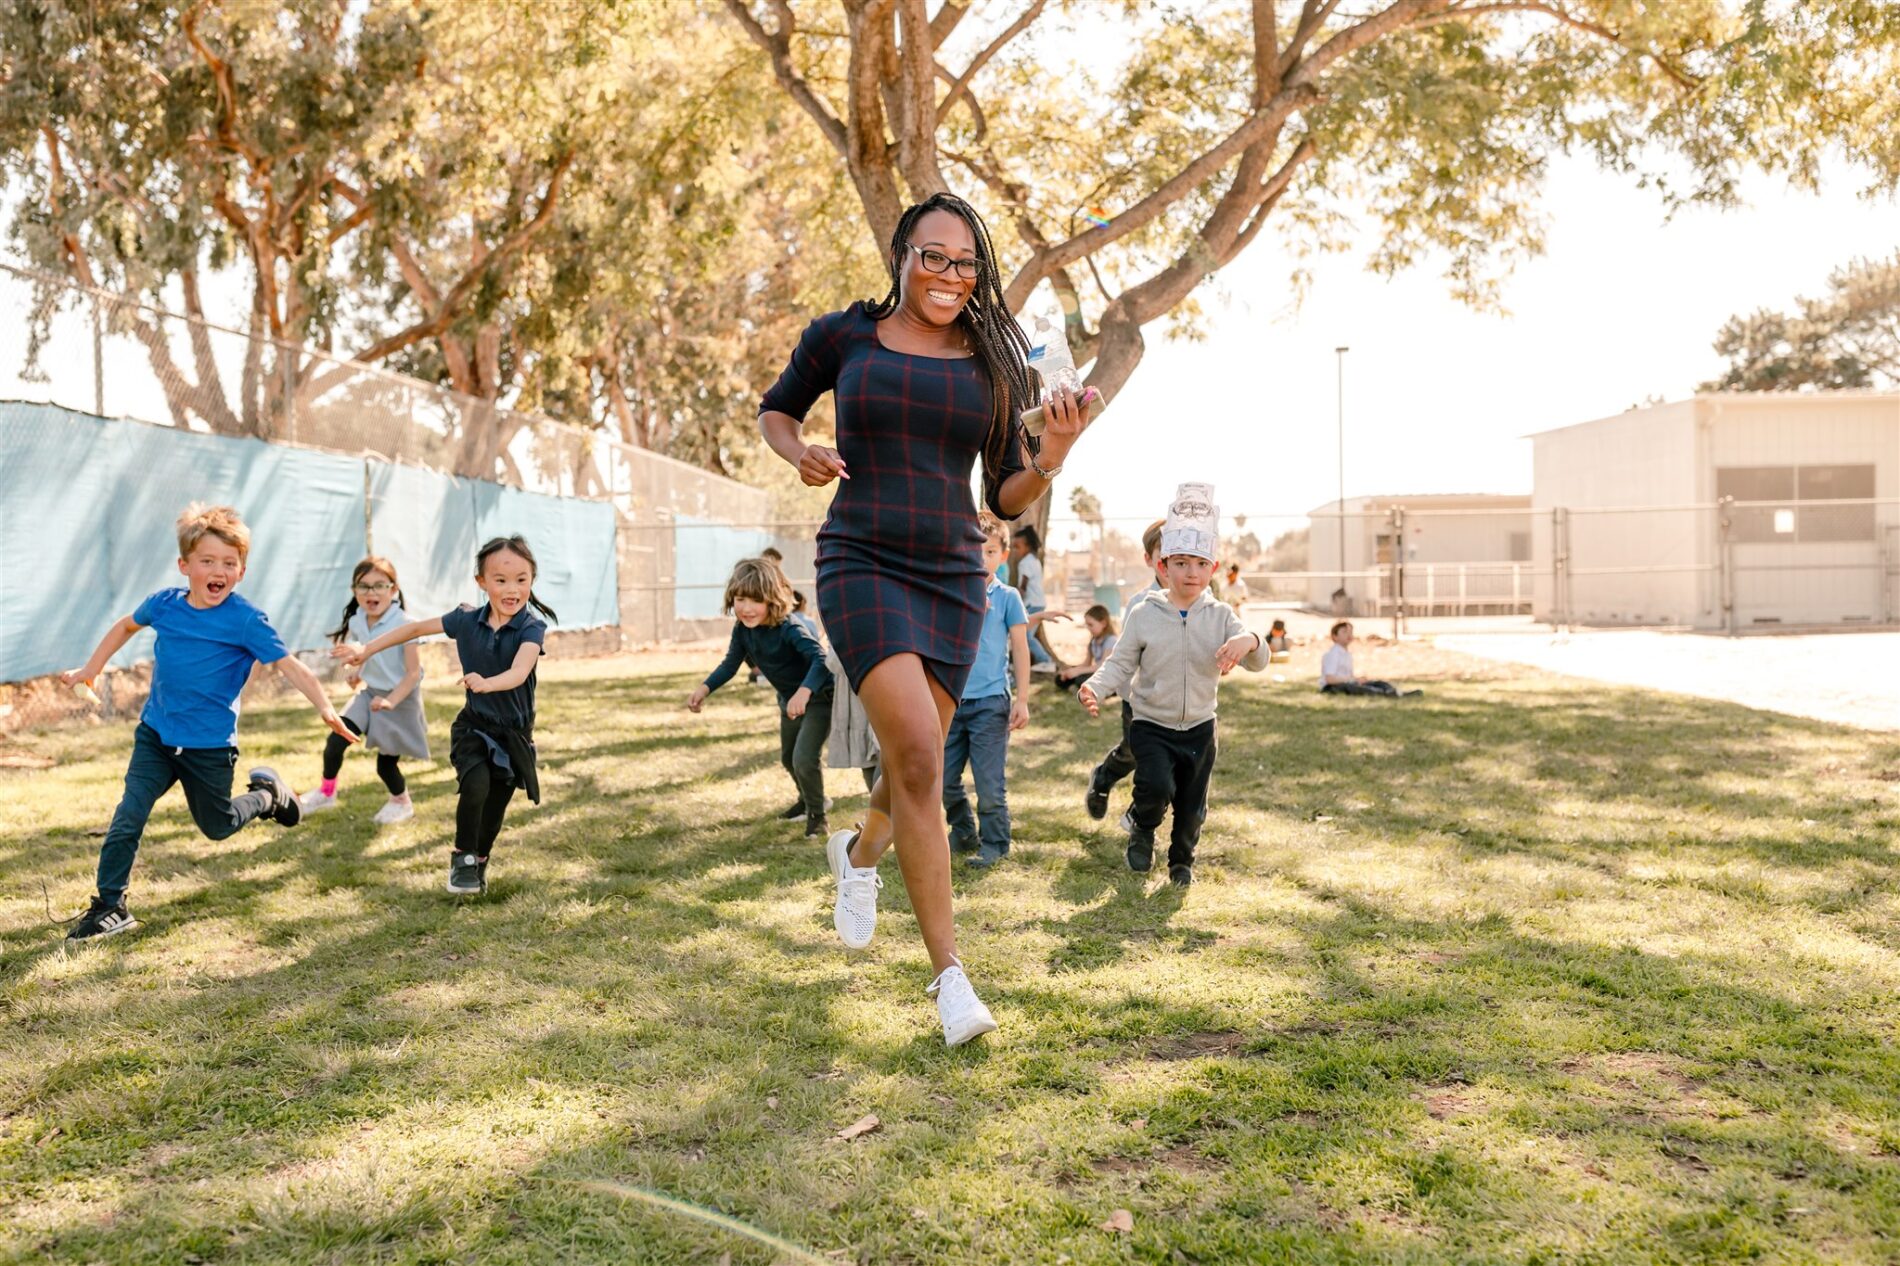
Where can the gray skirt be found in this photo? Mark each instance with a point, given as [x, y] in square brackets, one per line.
[401, 731]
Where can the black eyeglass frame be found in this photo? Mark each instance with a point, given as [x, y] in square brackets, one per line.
[924, 254]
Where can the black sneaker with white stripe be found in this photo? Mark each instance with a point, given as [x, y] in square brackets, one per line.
[102, 918]
[465, 875]
[284, 807]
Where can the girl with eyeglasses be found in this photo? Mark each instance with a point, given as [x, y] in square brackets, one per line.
[925, 383]
[387, 709]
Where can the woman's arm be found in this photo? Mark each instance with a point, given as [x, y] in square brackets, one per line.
[817, 465]
[1066, 422]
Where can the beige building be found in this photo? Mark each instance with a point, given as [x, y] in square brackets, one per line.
[1725, 511]
[1463, 554]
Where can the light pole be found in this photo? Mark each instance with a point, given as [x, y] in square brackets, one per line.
[1340, 396]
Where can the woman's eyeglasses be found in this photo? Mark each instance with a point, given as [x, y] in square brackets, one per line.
[937, 261]
[379, 587]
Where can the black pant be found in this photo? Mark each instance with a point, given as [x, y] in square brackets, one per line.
[1384, 689]
[206, 774]
[1120, 761]
[1172, 771]
[388, 767]
[801, 749]
[486, 790]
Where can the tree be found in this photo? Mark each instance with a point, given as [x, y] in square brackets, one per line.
[1849, 337]
[1126, 191]
[1087, 507]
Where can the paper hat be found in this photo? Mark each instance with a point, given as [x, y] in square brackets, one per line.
[1193, 523]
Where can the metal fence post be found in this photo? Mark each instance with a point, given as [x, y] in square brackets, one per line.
[1398, 571]
[1724, 512]
[1560, 567]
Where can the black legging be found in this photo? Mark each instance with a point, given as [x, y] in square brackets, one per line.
[388, 767]
[486, 791]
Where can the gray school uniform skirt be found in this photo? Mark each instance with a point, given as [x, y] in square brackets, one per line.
[401, 731]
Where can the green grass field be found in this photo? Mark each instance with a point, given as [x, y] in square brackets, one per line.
[1524, 971]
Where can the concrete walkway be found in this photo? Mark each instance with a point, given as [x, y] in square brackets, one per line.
[1849, 678]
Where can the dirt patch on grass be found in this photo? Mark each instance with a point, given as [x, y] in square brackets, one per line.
[1651, 1076]
[1195, 1045]
[1446, 1103]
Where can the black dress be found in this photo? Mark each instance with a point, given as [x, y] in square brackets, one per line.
[900, 564]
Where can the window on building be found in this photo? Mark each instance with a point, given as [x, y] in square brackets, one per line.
[1836, 483]
[1758, 523]
[1764, 485]
[1520, 547]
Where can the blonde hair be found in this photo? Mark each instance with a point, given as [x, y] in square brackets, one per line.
[760, 580]
[994, 529]
[200, 520]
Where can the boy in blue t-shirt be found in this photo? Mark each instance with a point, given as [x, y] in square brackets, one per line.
[208, 638]
[979, 732]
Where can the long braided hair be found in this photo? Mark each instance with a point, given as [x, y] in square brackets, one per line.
[992, 332]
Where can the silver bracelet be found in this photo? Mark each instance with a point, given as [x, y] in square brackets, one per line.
[1035, 464]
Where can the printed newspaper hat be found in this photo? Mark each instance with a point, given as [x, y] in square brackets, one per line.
[1193, 523]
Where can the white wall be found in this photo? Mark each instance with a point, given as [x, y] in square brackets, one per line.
[1611, 474]
[1809, 582]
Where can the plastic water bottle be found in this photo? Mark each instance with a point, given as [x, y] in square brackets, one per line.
[1049, 356]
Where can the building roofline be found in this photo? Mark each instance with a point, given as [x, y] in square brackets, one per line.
[1745, 399]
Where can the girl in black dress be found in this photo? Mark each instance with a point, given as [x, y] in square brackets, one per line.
[924, 382]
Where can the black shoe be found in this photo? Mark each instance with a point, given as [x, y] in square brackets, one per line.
[792, 812]
[817, 826]
[1097, 802]
[989, 857]
[964, 847]
[1141, 853]
[102, 918]
[1180, 876]
[284, 807]
[466, 875]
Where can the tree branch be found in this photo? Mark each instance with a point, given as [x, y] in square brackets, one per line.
[1682, 78]
[778, 47]
[917, 119]
[1268, 119]
[961, 84]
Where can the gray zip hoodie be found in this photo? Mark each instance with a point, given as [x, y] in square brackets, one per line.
[1174, 655]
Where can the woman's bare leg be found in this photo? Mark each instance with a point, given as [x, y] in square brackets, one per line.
[911, 714]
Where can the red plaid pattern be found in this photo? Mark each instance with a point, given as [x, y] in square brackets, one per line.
[900, 566]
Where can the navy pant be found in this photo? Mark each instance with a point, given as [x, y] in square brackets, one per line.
[979, 738]
[1172, 771]
[206, 774]
[1382, 689]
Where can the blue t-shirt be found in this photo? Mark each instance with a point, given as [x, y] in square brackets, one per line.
[990, 674]
[491, 652]
[201, 664]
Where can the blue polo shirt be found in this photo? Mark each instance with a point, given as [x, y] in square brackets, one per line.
[990, 674]
[491, 652]
[201, 663]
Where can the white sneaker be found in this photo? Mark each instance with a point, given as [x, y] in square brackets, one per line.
[855, 914]
[394, 811]
[314, 801]
[963, 1014]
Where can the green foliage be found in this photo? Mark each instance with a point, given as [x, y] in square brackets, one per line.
[1849, 337]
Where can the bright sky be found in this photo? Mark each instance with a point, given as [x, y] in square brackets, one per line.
[1622, 306]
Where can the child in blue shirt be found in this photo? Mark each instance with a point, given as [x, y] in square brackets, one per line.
[980, 730]
[491, 741]
[787, 655]
[208, 638]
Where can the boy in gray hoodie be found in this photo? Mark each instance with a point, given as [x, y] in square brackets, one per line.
[1176, 645]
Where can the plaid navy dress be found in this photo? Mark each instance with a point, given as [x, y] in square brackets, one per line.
[900, 565]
